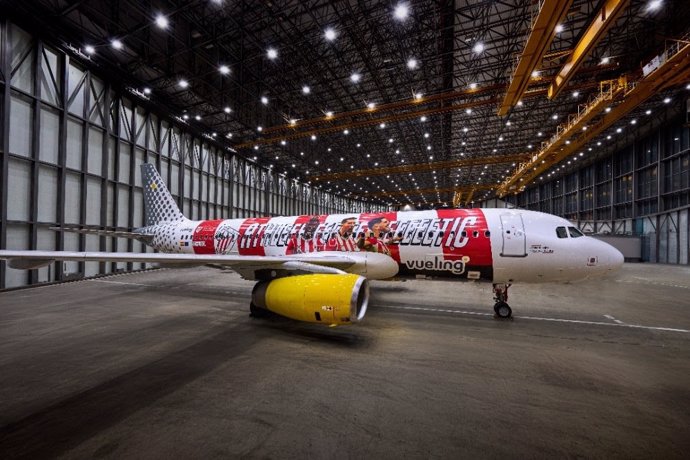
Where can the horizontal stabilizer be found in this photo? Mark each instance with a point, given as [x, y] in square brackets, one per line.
[143, 237]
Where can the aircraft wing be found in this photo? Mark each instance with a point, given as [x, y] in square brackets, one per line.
[247, 266]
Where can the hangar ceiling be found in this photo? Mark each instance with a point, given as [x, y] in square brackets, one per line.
[395, 102]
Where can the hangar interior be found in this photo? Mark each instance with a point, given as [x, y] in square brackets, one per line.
[577, 108]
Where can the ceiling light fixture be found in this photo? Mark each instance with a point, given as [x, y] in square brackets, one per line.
[183, 83]
[330, 34]
[224, 69]
[117, 44]
[654, 5]
[161, 21]
[306, 89]
[478, 47]
[355, 77]
[264, 100]
[401, 11]
[272, 53]
[412, 63]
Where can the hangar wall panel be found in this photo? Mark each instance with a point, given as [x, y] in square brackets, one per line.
[71, 153]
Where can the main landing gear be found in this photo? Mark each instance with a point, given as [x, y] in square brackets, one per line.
[501, 307]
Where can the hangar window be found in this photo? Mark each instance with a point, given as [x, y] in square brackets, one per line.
[575, 233]
[561, 232]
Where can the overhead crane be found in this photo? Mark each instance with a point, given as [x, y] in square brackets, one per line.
[292, 131]
[673, 70]
[413, 168]
[416, 104]
[469, 190]
[604, 19]
[550, 15]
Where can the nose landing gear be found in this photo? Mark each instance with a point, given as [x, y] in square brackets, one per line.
[501, 307]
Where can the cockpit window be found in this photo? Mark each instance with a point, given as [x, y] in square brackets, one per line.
[574, 232]
[561, 232]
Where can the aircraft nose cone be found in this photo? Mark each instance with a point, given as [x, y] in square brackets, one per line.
[616, 259]
[612, 258]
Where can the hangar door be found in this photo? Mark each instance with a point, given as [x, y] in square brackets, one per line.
[514, 244]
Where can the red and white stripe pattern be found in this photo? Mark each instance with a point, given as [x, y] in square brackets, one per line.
[299, 245]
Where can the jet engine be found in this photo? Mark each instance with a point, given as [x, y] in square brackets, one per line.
[315, 298]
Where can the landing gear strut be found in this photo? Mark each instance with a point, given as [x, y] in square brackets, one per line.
[501, 307]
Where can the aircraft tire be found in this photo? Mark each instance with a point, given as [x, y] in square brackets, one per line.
[256, 312]
[502, 310]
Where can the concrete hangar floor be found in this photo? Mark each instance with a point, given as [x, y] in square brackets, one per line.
[168, 364]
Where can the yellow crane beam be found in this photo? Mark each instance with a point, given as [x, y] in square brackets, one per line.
[674, 70]
[368, 122]
[467, 189]
[468, 200]
[550, 15]
[606, 17]
[457, 198]
[415, 168]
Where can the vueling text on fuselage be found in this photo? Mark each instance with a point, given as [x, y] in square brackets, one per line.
[449, 232]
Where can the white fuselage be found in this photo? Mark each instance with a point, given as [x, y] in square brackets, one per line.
[496, 245]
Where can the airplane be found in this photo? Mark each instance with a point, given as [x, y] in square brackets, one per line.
[316, 268]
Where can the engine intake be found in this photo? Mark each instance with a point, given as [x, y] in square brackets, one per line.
[316, 298]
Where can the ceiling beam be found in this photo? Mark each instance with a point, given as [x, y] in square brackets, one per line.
[596, 31]
[416, 168]
[466, 190]
[550, 15]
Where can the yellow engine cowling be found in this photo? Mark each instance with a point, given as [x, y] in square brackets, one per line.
[317, 298]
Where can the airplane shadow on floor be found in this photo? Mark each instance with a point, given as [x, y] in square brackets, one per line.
[58, 428]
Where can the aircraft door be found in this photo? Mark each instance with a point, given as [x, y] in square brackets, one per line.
[514, 243]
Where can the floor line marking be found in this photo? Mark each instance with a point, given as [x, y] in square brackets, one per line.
[613, 319]
[538, 318]
[119, 282]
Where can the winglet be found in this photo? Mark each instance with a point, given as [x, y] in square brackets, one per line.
[159, 205]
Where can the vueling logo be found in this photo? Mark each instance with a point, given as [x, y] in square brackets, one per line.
[457, 267]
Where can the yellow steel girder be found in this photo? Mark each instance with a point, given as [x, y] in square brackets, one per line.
[461, 190]
[550, 15]
[597, 29]
[414, 168]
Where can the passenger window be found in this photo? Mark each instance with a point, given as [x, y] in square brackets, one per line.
[431, 234]
[487, 233]
[574, 232]
[441, 233]
[463, 234]
[475, 234]
[561, 232]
